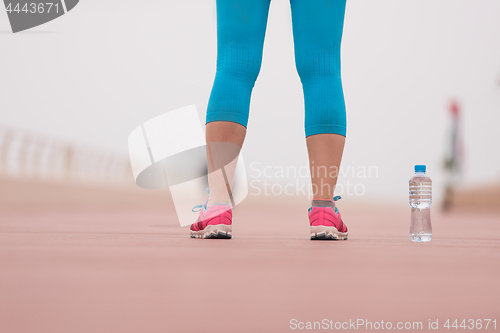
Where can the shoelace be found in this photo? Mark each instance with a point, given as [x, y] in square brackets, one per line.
[335, 198]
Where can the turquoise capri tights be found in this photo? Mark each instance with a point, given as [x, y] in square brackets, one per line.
[317, 33]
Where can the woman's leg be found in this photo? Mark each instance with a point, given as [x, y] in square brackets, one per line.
[317, 31]
[241, 27]
[224, 142]
[325, 155]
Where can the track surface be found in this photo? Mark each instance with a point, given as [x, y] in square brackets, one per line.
[132, 269]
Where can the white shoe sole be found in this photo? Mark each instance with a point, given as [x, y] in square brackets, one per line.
[219, 231]
[327, 233]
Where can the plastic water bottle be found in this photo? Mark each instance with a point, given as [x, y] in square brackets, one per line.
[420, 201]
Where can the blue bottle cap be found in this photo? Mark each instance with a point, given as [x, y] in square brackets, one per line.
[419, 168]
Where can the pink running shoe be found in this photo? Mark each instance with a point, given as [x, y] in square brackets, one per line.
[327, 224]
[214, 222]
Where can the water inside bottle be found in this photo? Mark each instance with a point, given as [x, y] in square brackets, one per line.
[420, 192]
[420, 228]
[420, 201]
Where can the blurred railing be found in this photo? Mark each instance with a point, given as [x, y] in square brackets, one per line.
[29, 155]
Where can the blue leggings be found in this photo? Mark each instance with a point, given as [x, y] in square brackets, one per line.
[317, 33]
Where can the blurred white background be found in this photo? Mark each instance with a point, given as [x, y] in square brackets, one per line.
[98, 72]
